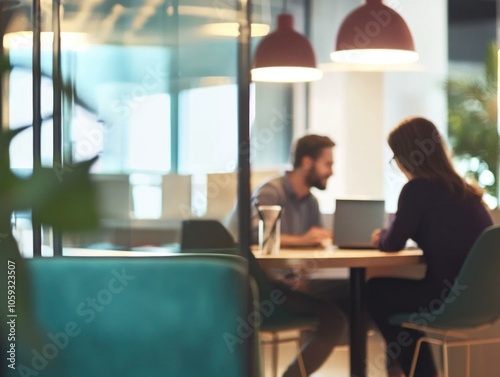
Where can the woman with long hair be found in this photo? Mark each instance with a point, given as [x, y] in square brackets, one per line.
[444, 215]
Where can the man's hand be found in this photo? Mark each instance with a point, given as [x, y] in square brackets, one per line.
[313, 237]
[316, 236]
[376, 237]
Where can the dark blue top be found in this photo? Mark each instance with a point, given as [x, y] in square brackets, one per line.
[443, 227]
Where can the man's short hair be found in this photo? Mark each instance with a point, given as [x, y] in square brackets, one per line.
[311, 146]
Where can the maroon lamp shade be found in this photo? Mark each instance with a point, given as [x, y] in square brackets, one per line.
[285, 56]
[374, 34]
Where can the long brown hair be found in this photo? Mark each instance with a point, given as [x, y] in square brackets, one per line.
[419, 147]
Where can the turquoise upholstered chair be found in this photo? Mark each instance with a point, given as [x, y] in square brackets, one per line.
[473, 303]
[210, 235]
[280, 320]
[140, 317]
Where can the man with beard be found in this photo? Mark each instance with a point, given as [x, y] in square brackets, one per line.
[301, 226]
[301, 219]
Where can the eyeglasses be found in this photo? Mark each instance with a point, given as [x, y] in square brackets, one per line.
[394, 173]
[394, 168]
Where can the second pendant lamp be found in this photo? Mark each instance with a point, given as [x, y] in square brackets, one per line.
[285, 56]
[374, 34]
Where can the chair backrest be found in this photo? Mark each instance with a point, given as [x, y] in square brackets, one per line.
[205, 234]
[170, 316]
[210, 236]
[474, 298]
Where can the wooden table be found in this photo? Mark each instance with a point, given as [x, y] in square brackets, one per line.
[357, 261]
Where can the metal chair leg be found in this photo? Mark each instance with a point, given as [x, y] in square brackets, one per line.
[302, 367]
[274, 342]
[415, 356]
[445, 360]
[467, 360]
[445, 344]
[274, 353]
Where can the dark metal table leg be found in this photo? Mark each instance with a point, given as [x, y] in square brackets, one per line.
[358, 323]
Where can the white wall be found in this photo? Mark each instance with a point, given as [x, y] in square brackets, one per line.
[420, 92]
[358, 109]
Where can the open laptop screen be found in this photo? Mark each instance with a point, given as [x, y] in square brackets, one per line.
[355, 220]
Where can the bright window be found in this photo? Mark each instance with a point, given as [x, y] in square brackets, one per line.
[208, 126]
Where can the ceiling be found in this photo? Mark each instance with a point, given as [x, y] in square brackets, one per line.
[138, 16]
[472, 27]
[462, 11]
[150, 23]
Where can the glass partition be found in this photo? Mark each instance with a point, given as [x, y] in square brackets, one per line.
[154, 95]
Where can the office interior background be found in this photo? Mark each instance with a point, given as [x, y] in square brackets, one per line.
[158, 80]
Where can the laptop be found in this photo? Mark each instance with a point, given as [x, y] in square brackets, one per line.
[355, 221]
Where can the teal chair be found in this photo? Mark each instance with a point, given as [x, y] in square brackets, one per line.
[173, 316]
[473, 303]
[209, 236]
[281, 319]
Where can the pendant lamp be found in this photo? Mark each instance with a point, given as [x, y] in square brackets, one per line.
[285, 56]
[374, 34]
[223, 21]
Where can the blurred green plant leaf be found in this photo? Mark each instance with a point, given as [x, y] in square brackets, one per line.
[62, 197]
[69, 200]
[10, 185]
[491, 65]
[472, 116]
[4, 64]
